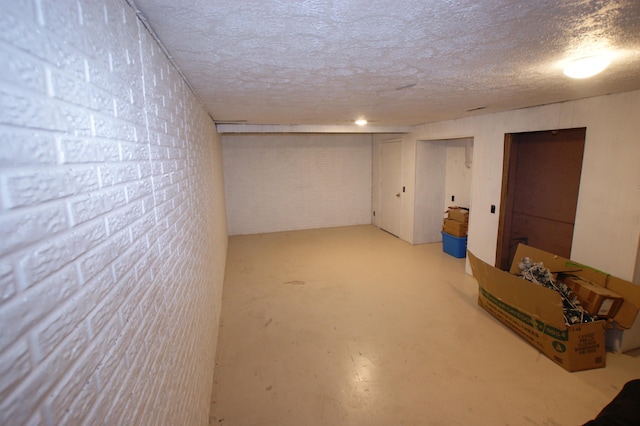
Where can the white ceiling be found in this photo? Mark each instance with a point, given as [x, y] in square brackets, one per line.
[328, 62]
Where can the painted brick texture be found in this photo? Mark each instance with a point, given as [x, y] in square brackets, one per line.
[113, 230]
[289, 181]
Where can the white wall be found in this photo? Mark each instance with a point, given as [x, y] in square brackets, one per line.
[282, 182]
[112, 223]
[430, 184]
[607, 225]
[458, 175]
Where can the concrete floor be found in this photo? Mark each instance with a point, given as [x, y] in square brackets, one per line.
[352, 326]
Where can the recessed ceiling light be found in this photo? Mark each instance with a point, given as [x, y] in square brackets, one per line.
[361, 122]
[586, 67]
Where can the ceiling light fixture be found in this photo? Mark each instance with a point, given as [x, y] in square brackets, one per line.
[361, 122]
[586, 67]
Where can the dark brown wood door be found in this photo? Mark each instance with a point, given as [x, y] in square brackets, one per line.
[541, 179]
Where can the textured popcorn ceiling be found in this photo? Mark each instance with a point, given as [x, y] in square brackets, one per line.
[328, 62]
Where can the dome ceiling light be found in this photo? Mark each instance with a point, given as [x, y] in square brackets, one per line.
[586, 67]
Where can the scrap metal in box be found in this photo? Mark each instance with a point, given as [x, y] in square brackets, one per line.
[623, 328]
[536, 314]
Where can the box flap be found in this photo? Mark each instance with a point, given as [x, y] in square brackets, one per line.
[557, 264]
[631, 295]
[629, 291]
[536, 300]
[551, 261]
[588, 273]
[459, 214]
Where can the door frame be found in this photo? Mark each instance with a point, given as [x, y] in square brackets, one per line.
[397, 231]
[506, 199]
[430, 184]
[507, 196]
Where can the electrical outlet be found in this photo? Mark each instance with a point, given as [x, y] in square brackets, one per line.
[453, 198]
[493, 208]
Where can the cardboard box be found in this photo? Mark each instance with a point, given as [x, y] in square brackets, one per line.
[458, 214]
[623, 331]
[453, 227]
[535, 313]
[595, 299]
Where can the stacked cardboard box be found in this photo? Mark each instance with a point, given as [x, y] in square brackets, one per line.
[456, 222]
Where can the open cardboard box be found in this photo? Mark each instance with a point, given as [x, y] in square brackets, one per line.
[535, 312]
[623, 331]
[459, 214]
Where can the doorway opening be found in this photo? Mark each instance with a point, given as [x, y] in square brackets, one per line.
[540, 184]
[443, 179]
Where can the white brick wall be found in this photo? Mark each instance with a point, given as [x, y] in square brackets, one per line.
[112, 223]
[291, 181]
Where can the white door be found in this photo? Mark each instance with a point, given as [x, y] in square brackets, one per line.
[391, 187]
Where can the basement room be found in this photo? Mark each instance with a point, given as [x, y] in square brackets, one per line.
[319, 212]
